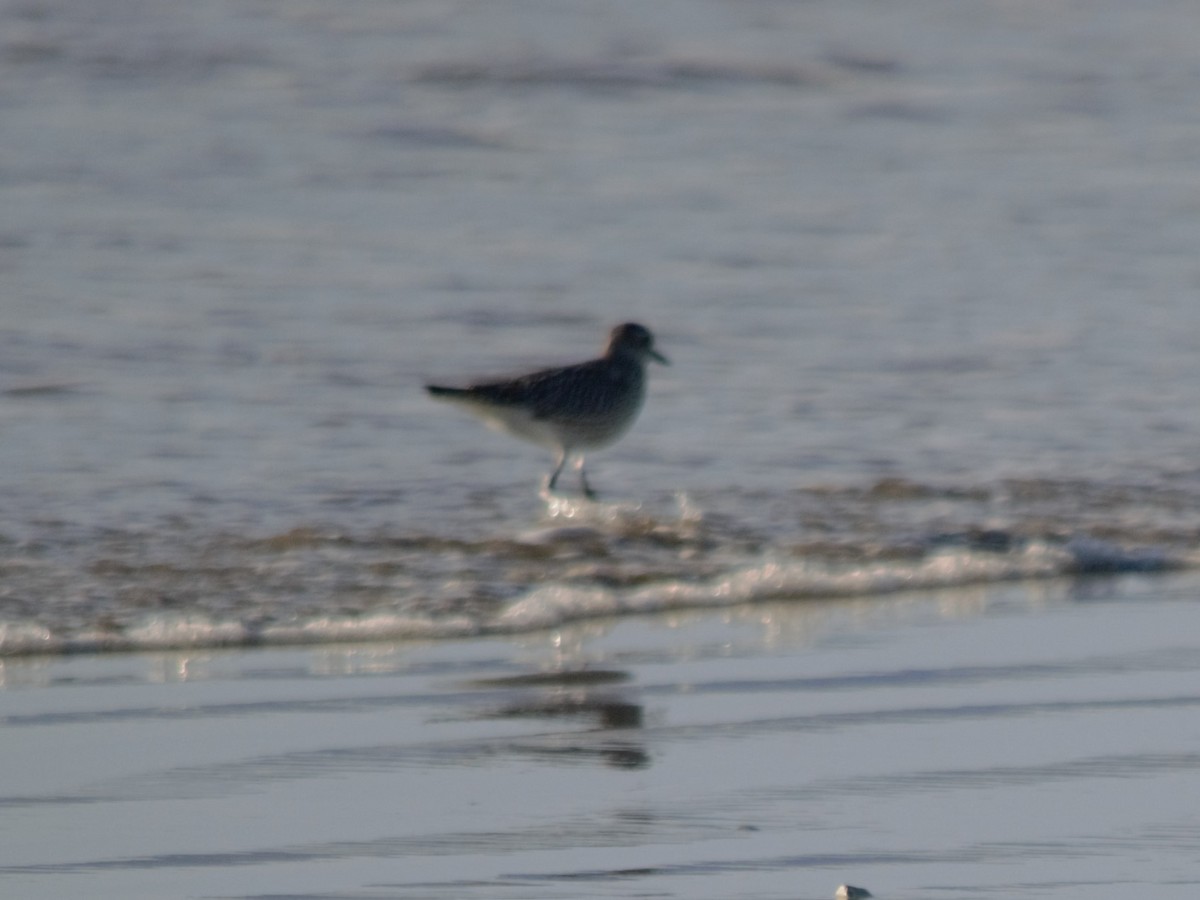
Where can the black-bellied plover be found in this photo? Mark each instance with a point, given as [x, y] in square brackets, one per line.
[569, 409]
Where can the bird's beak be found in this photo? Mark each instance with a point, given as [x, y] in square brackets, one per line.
[658, 357]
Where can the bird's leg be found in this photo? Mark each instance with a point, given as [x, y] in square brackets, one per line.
[562, 461]
[587, 488]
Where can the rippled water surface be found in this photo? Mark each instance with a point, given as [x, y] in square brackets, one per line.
[926, 273]
[894, 577]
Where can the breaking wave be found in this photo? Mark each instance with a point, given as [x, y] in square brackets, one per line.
[162, 590]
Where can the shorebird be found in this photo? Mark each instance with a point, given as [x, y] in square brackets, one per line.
[572, 408]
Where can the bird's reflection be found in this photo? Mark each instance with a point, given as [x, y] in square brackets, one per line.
[588, 695]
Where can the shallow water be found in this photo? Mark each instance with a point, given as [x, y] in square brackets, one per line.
[895, 576]
[998, 742]
[925, 273]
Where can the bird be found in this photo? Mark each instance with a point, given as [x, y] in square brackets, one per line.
[850, 892]
[570, 409]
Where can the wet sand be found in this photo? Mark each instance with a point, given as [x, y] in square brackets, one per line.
[1033, 740]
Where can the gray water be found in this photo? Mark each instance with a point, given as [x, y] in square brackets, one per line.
[926, 271]
[893, 582]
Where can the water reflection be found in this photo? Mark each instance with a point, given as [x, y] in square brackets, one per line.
[574, 694]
